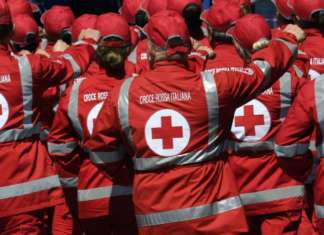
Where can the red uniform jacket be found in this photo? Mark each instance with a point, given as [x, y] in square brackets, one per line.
[98, 195]
[28, 181]
[292, 141]
[265, 188]
[175, 123]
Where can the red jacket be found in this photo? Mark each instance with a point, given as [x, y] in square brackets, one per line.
[175, 124]
[28, 181]
[98, 195]
[265, 188]
[292, 141]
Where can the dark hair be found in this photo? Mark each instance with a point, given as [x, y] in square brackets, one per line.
[316, 22]
[141, 18]
[191, 13]
[5, 31]
[66, 36]
[221, 37]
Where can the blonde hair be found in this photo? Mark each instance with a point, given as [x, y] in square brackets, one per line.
[260, 44]
[112, 58]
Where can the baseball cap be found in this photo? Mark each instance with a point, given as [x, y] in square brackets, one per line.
[114, 30]
[180, 5]
[57, 19]
[223, 15]
[305, 9]
[249, 29]
[284, 8]
[5, 17]
[84, 21]
[129, 9]
[25, 30]
[154, 6]
[17, 7]
[168, 30]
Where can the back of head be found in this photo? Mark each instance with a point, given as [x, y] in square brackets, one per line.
[6, 25]
[309, 13]
[251, 32]
[129, 10]
[57, 23]
[168, 34]
[285, 10]
[25, 34]
[114, 45]
[148, 9]
[18, 7]
[84, 21]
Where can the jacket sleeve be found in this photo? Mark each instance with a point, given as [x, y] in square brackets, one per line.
[267, 66]
[105, 144]
[58, 70]
[63, 144]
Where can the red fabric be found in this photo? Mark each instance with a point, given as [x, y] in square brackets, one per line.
[30, 155]
[304, 8]
[129, 9]
[83, 22]
[178, 187]
[284, 8]
[154, 6]
[57, 19]
[5, 16]
[180, 5]
[24, 25]
[20, 7]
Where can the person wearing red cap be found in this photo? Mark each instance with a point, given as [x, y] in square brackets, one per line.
[84, 21]
[57, 23]
[174, 123]
[20, 7]
[105, 205]
[29, 184]
[273, 200]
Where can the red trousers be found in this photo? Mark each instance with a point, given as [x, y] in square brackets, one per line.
[285, 223]
[32, 223]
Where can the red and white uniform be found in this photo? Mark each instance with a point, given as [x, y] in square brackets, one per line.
[28, 181]
[183, 183]
[74, 121]
[292, 141]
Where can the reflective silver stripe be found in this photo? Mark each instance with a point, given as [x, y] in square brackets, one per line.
[67, 148]
[298, 71]
[291, 150]
[292, 47]
[26, 76]
[319, 211]
[198, 55]
[285, 95]
[188, 214]
[71, 182]
[74, 106]
[74, 64]
[19, 134]
[104, 192]
[32, 186]
[213, 150]
[272, 195]
[43, 43]
[133, 56]
[123, 106]
[254, 147]
[105, 157]
[312, 146]
[81, 42]
[320, 150]
[265, 67]
[319, 102]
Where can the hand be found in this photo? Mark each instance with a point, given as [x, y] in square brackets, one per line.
[297, 31]
[90, 33]
[60, 46]
[198, 47]
[42, 52]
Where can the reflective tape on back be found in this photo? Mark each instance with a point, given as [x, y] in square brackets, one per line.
[133, 56]
[292, 47]
[74, 107]
[188, 214]
[265, 67]
[319, 209]
[292, 150]
[29, 187]
[63, 148]
[19, 134]
[319, 102]
[254, 147]
[104, 192]
[272, 195]
[70, 182]
[74, 64]
[285, 95]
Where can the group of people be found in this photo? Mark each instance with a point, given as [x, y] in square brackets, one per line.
[162, 119]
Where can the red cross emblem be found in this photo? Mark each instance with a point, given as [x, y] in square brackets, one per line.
[167, 132]
[249, 121]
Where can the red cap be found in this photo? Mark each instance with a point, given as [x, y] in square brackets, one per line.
[249, 29]
[180, 5]
[223, 15]
[5, 17]
[154, 6]
[25, 25]
[245, 2]
[129, 9]
[83, 22]
[18, 7]
[284, 8]
[168, 30]
[112, 25]
[304, 9]
[57, 19]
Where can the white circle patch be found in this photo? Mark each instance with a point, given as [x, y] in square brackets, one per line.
[92, 116]
[4, 111]
[167, 133]
[252, 122]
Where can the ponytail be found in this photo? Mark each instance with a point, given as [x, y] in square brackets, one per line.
[66, 36]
